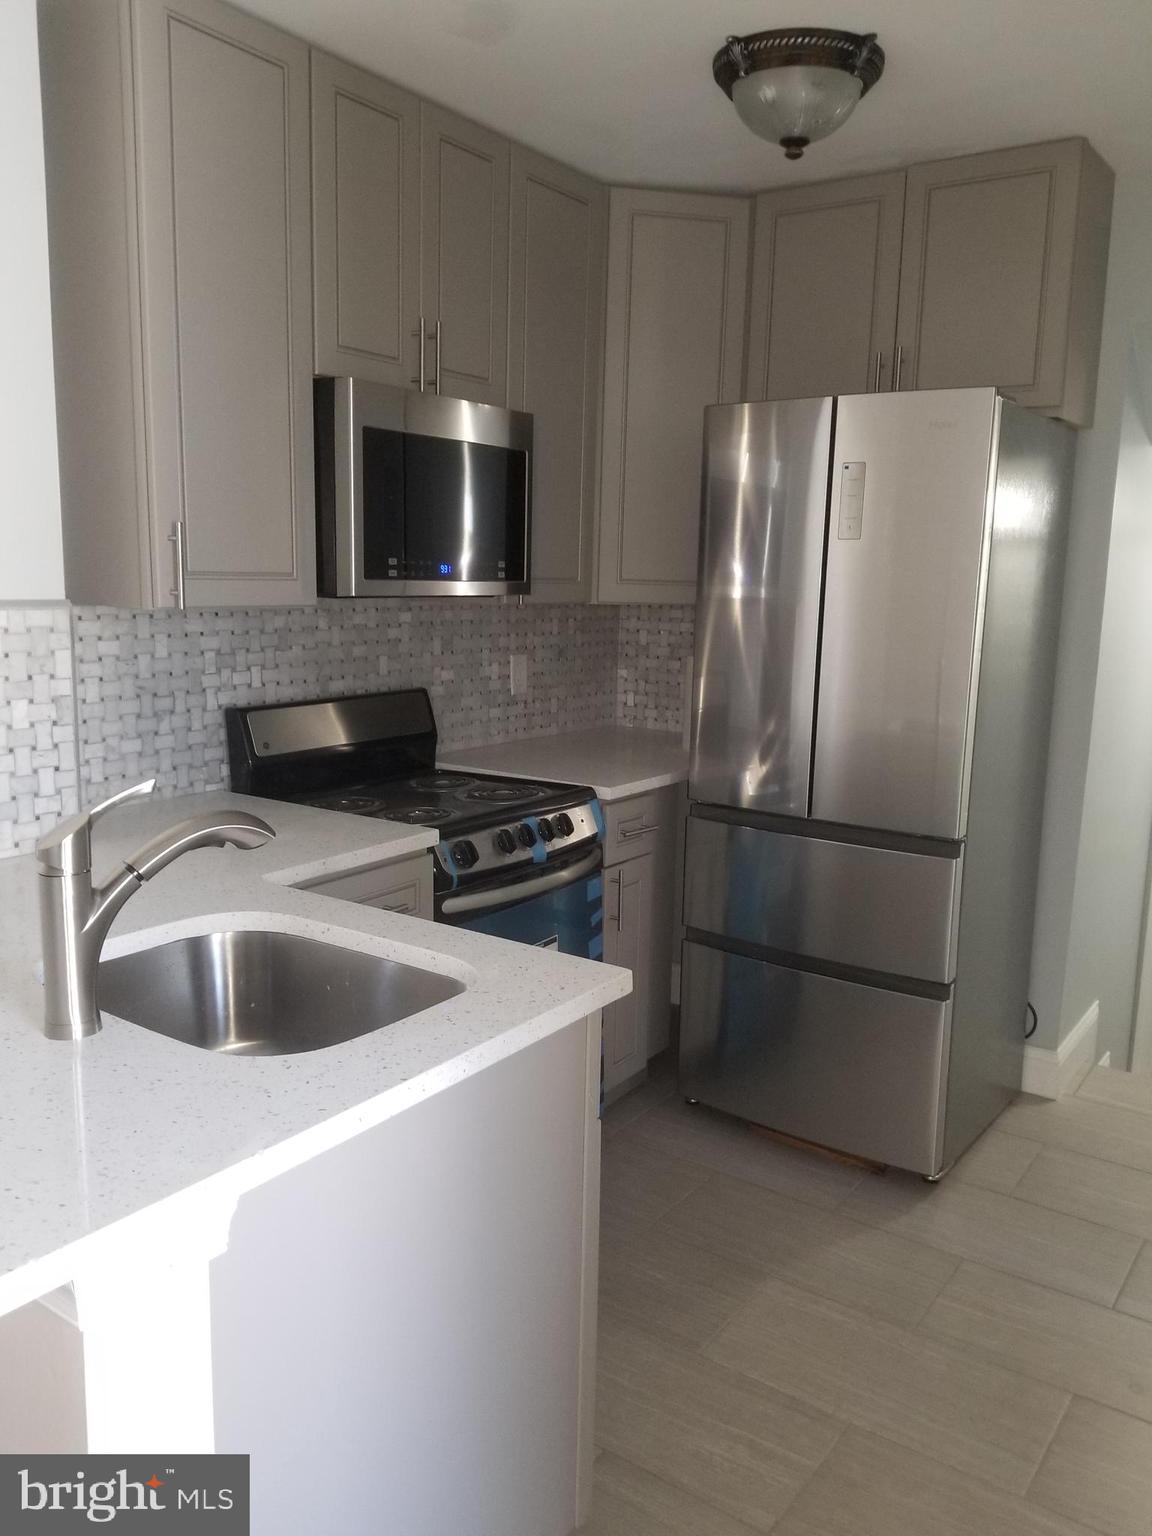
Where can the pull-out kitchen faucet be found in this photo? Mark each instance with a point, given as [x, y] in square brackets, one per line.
[75, 915]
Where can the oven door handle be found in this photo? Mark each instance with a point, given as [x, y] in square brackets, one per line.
[484, 901]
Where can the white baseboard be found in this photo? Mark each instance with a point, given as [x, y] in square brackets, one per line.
[1050, 1074]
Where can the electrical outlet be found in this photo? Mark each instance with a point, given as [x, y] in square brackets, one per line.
[517, 675]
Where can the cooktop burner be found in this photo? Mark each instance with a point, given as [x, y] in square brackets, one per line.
[441, 781]
[351, 805]
[419, 815]
[504, 794]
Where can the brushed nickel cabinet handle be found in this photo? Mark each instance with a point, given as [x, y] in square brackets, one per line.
[419, 333]
[899, 369]
[438, 339]
[876, 373]
[176, 539]
[627, 832]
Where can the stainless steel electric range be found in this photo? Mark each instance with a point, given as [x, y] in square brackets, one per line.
[518, 859]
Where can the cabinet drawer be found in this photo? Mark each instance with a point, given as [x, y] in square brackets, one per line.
[853, 1067]
[631, 827]
[876, 908]
[404, 886]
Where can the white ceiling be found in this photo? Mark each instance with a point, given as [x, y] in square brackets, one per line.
[623, 88]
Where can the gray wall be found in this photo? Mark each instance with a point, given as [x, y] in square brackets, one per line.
[1099, 802]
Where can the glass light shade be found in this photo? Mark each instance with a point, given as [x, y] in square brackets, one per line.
[794, 104]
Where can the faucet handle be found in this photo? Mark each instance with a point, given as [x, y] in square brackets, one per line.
[67, 849]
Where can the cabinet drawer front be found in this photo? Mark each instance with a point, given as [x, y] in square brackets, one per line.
[876, 908]
[631, 827]
[404, 887]
[852, 1067]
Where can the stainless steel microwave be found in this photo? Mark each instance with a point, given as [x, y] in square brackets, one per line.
[418, 495]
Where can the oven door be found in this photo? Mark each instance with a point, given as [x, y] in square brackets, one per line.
[558, 908]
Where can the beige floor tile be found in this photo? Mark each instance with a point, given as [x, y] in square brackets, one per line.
[639, 1183]
[671, 1286]
[936, 1399]
[871, 1487]
[710, 1430]
[1107, 1193]
[730, 1146]
[1136, 1297]
[876, 1272]
[1081, 1125]
[1099, 1470]
[631, 1502]
[1122, 1090]
[1063, 1251]
[996, 1162]
[1085, 1349]
[661, 1084]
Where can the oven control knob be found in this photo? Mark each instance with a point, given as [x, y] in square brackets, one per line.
[564, 824]
[464, 854]
[547, 831]
[526, 835]
[505, 841]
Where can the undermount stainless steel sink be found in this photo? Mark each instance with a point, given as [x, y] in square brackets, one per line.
[253, 992]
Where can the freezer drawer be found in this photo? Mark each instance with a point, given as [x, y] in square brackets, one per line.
[879, 909]
[853, 1067]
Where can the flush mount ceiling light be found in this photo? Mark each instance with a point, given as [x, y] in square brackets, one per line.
[797, 84]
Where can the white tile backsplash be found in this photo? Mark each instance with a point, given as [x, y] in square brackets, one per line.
[95, 699]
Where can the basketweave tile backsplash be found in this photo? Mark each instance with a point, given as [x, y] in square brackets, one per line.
[127, 696]
[38, 776]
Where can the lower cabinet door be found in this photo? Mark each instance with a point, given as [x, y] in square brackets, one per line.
[628, 924]
[854, 1067]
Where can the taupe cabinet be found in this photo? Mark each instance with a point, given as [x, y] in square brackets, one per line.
[640, 841]
[987, 269]
[677, 277]
[559, 223]
[825, 285]
[365, 224]
[181, 278]
[411, 238]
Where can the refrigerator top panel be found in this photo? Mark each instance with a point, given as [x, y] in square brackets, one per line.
[765, 494]
[908, 539]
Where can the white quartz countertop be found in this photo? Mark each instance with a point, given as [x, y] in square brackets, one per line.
[97, 1133]
[616, 760]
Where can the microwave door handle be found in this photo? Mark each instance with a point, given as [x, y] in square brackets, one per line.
[484, 901]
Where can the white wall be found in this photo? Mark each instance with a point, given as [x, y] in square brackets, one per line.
[31, 562]
[1098, 816]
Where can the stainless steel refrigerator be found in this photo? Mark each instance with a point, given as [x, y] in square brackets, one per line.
[878, 606]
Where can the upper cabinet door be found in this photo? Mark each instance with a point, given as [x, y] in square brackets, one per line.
[366, 224]
[825, 286]
[558, 247]
[1002, 278]
[465, 255]
[677, 281]
[222, 145]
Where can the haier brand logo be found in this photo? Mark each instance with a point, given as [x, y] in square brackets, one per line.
[73, 1493]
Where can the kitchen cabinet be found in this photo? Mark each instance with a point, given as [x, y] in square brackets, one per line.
[464, 255]
[558, 238]
[824, 289]
[640, 917]
[677, 279]
[1002, 275]
[365, 224]
[181, 275]
[403, 886]
[985, 269]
